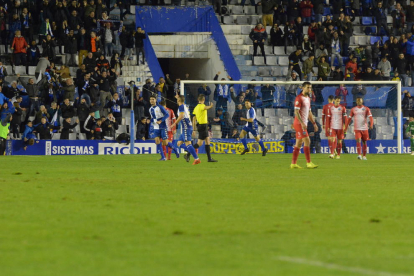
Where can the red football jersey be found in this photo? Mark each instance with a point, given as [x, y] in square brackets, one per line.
[302, 103]
[361, 115]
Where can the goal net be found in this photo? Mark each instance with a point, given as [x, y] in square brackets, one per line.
[274, 105]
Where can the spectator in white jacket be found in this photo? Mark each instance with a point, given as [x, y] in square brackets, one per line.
[385, 67]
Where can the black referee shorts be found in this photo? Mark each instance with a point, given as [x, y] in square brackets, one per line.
[202, 131]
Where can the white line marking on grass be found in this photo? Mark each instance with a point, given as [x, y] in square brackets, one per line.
[337, 267]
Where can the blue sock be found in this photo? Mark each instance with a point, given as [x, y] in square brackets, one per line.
[159, 148]
[261, 145]
[244, 141]
[172, 147]
[191, 150]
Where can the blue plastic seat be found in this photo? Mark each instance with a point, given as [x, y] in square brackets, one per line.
[374, 39]
[366, 20]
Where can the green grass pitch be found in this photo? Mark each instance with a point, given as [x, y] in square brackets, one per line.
[245, 215]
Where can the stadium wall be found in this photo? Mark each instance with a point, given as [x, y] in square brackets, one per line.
[183, 19]
[218, 146]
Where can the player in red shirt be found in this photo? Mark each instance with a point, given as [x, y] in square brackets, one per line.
[303, 113]
[171, 130]
[324, 113]
[335, 125]
[361, 114]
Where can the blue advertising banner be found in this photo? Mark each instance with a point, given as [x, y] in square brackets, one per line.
[218, 146]
[84, 147]
[374, 146]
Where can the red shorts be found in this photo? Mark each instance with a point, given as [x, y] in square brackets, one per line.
[361, 134]
[300, 133]
[170, 136]
[337, 133]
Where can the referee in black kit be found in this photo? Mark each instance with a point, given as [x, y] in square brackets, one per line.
[200, 116]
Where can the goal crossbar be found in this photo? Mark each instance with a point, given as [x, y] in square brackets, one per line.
[397, 83]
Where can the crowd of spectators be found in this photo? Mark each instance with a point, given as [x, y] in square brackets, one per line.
[326, 44]
[80, 34]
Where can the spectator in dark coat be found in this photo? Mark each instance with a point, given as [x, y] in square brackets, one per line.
[67, 110]
[206, 91]
[44, 128]
[48, 46]
[267, 95]
[141, 129]
[71, 48]
[116, 108]
[276, 36]
[407, 105]
[239, 113]
[381, 18]
[259, 36]
[66, 128]
[139, 36]
[315, 137]
[109, 127]
[83, 112]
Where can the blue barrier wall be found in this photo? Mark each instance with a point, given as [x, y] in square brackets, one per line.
[183, 19]
[228, 146]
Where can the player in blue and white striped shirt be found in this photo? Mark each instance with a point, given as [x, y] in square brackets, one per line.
[158, 128]
[251, 126]
[184, 141]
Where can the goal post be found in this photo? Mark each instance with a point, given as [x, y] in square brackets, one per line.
[384, 89]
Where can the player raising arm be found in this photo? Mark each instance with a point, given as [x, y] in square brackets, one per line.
[200, 112]
[335, 125]
[251, 126]
[186, 129]
[158, 128]
[361, 114]
[303, 113]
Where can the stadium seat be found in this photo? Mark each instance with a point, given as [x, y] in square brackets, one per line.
[56, 136]
[72, 136]
[228, 19]
[269, 112]
[366, 20]
[20, 70]
[250, 10]
[237, 10]
[374, 39]
[283, 60]
[242, 20]
[276, 71]
[279, 50]
[271, 60]
[258, 60]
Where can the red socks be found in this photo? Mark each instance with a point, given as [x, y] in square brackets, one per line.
[169, 152]
[306, 150]
[164, 148]
[295, 155]
[359, 148]
[339, 148]
[333, 146]
[364, 149]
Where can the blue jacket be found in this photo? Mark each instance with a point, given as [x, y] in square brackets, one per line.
[410, 46]
[28, 133]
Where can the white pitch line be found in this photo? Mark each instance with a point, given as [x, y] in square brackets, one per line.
[338, 267]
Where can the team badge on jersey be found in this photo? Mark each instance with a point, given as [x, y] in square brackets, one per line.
[297, 102]
[363, 109]
[339, 109]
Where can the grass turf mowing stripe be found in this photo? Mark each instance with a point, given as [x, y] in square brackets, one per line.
[358, 270]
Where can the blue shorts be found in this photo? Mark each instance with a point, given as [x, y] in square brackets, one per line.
[186, 135]
[253, 131]
[162, 133]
